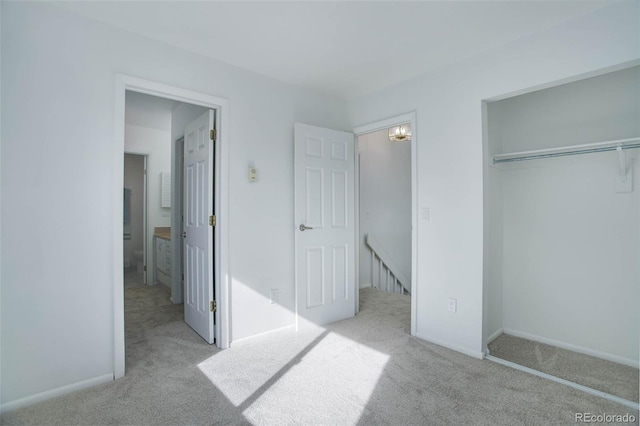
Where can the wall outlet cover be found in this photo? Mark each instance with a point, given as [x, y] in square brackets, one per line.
[273, 296]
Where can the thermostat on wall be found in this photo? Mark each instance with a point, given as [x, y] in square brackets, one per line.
[253, 174]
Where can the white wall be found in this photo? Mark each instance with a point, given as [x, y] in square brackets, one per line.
[450, 154]
[148, 111]
[134, 180]
[571, 243]
[595, 109]
[181, 115]
[148, 131]
[385, 200]
[57, 303]
[571, 256]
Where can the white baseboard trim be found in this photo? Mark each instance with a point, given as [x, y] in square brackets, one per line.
[366, 285]
[43, 396]
[494, 336]
[586, 389]
[602, 355]
[244, 339]
[453, 347]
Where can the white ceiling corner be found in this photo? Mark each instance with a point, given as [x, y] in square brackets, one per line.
[344, 49]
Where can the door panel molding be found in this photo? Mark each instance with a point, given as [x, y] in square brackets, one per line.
[324, 219]
[198, 236]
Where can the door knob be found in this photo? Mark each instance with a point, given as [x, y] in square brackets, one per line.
[305, 227]
[184, 235]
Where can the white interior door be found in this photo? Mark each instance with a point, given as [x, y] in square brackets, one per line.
[325, 228]
[198, 233]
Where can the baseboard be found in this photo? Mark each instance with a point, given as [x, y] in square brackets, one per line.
[631, 404]
[253, 336]
[602, 355]
[366, 285]
[43, 396]
[494, 336]
[453, 347]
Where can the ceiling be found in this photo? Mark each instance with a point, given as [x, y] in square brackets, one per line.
[342, 48]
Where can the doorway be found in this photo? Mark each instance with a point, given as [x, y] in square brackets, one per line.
[218, 259]
[135, 218]
[326, 206]
[377, 266]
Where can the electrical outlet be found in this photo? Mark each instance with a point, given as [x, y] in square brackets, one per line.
[273, 296]
[453, 305]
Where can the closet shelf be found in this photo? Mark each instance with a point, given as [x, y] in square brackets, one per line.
[567, 150]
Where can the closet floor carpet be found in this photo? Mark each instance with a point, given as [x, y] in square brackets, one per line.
[610, 377]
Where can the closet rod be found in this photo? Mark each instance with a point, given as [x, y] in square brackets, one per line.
[565, 153]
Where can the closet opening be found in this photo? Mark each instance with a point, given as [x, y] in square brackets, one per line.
[562, 233]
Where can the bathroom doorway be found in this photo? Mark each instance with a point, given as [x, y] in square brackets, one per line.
[135, 219]
[163, 139]
[215, 287]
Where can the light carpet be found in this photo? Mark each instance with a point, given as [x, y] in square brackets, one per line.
[613, 378]
[365, 370]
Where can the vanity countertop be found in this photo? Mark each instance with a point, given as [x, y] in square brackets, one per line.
[162, 232]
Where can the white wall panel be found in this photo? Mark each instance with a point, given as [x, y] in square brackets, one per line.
[447, 102]
[60, 68]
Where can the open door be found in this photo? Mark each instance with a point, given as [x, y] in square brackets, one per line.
[325, 225]
[199, 225]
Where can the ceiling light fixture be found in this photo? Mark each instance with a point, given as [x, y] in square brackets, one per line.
[400, 133]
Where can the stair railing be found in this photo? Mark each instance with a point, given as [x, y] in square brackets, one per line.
[385, 273]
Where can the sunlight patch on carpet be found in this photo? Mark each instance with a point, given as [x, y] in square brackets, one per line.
[303, 377]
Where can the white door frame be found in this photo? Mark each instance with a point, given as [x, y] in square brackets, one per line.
[373, 127]
[177, 198]
[221, 239]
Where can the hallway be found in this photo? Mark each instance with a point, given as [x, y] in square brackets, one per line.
[145, 309]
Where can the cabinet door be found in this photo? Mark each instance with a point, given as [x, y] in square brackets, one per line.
[160, 255]
[167, 257]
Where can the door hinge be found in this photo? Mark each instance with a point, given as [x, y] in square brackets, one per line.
[145, 268]
[213, 306]
[182, 277]
[212, 220]
[213, 134]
